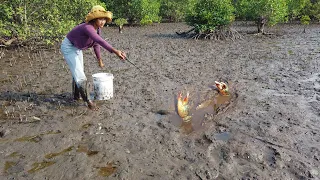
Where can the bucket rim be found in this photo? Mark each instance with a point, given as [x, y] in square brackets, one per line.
[102, 75]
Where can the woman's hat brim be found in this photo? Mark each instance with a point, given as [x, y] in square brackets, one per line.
[99, 14]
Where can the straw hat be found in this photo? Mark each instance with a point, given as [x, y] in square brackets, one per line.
[98, 12]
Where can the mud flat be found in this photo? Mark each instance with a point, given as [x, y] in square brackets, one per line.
[269, 128]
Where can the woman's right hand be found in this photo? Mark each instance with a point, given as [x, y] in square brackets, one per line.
[120, 54]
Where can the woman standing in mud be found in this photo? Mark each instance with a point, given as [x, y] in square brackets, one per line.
[82, 37]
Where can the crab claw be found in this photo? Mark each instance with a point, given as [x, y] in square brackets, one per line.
[182, 105]
[186, 99]
[223, 88]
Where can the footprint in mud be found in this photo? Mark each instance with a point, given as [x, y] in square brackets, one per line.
[37, 166]
[13, 163]
[108, 170]
[12, 167]
[314, 99]
[218, 155]
[271, 156]
[314, 81]
[206, 173]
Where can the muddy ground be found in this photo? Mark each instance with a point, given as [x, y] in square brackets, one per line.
[269, 128]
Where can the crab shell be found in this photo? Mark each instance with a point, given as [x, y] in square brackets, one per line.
[223, 88]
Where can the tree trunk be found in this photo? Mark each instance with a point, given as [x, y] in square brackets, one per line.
[120, 28]
[261, 21]
[25, 18]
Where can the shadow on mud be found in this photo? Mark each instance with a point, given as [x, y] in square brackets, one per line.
[167, 36]
[38, 99]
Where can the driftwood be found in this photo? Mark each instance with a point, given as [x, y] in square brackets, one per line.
[185, 33]
[5, 43]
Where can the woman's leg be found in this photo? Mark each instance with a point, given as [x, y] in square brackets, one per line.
[82, 82]
[75, 90]
[74, 59]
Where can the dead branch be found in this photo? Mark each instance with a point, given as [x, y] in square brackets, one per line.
[6, 43]
[185, 33]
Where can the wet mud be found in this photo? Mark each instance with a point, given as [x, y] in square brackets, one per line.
[269, 126]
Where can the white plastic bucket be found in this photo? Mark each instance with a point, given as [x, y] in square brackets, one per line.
[102, 86]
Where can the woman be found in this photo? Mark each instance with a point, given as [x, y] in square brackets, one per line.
[82, 37]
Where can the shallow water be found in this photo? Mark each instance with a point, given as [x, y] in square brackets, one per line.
[224, 136]
[199, 112]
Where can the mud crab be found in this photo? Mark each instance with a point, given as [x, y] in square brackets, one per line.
[183, 107]
[223, 88]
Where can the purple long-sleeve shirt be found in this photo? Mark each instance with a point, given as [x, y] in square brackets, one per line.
[84, 36]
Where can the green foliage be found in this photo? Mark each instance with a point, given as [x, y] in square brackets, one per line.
[274, 11]
[305, 20]
[295, 7]
[121, 21]
[315, 11]
[208, 15]
[146, 21]
[175, 10]
[136, 10]
[119, 8]
[147, 11]
[312, 10]
[38, 19]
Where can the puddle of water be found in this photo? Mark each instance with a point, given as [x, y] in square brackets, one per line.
[195, 122]
[52, 155]
[8, 165]
[108, 170]
[84, 149]
[35, 138]
[209, 106]
[41, 165]
[224, 136]
[186, 127]
[222, 99]
[16, 154]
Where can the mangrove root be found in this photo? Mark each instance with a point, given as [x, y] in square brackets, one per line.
[219, 34]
